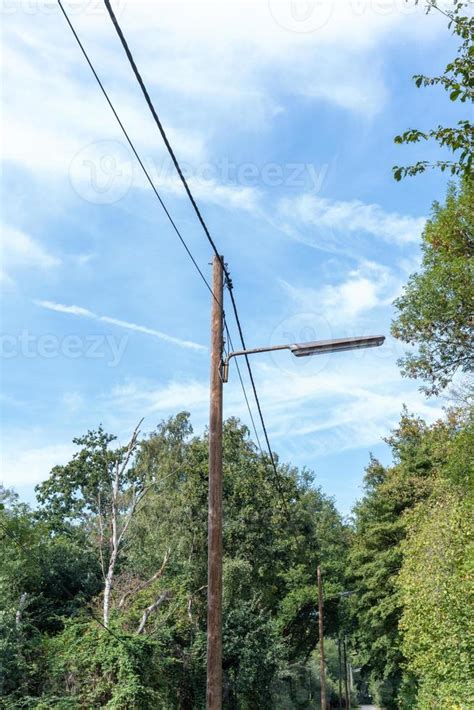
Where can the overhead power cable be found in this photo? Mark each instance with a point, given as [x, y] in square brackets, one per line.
[132, 146]
[228, 280]
[147, 175]
[243, 388]
[162, 130]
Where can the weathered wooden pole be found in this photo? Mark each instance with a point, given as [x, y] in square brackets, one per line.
[214, 570]
[346, 682]
[339, 654]
[321, 641]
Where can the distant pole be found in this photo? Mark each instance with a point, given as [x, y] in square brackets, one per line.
[346, 683]
[339, 653]
[321, 640]
[214, 570]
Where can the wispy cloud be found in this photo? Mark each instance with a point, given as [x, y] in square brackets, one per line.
[147, 398]
[205, 189]
[369, 286]
[127, 325]
[192, 67]
[350, 403]
[351, 216]
[322, 40]
[20, 250]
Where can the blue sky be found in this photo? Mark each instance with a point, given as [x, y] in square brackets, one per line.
[283, 115]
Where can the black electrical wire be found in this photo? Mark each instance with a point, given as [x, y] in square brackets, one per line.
[202, 222]
[132, 146]
[129, 141]
[161, 129]
[243, 388]
[276, 474]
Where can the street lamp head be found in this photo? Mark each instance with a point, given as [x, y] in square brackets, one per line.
[304, 349]
[335, 346]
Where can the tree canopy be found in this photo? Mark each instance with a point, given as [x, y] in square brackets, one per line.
[435, 312]
[153, 654]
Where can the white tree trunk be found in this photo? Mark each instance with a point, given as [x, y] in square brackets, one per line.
[116, 537]
[108, 588]
[114, 543]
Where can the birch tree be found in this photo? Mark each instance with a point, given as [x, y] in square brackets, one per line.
[101, 490]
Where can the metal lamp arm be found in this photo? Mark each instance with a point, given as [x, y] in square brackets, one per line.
[252, 351]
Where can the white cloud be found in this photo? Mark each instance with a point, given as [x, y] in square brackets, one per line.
[20, 250]
[127, 325]
[307, 45]
[29, 466]
[350, 217]
[146, 398]
[351, 403]
[217, 59]
[362, 289]
[61, 308]
[206, 189]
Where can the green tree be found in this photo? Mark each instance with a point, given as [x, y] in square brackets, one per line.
[99, 490]
[44, 579]
[154, 652]
[436, 583]
[273, 540]
[435, 311]
[376, 557]
[458, 81]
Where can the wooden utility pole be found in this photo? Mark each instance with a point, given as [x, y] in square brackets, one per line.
[339, 654]
[321, 641]
[214, 569]
[346, 682]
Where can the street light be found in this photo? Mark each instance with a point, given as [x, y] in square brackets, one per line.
[317, 347]
[219, 375]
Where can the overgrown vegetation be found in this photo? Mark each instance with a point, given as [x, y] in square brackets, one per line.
[411, 568]
[153, 654]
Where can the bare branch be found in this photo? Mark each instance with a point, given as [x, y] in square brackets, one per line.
[144, 585]
[116, 538]
[164, 596]
[21, 608]
[101, 536]
[190, 601]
